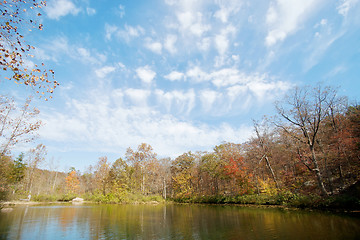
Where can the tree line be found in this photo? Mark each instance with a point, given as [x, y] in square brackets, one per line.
[310, 146]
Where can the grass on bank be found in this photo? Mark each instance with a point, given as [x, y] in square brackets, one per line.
[348, 200]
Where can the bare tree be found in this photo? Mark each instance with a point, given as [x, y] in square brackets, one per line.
[16, 125]
[263, 141]
[35, 157]
[304, 111]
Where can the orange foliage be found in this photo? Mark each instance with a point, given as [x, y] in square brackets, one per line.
[72, 182]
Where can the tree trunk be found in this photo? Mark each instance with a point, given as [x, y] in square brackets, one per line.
[53, 187]
[318, 173]
[164, 188]
[272, 172]
[328, 177]
[342, 185]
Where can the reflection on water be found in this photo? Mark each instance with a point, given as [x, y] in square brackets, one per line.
[172, 222]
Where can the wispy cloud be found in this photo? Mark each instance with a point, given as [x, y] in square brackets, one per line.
[104, 71]
[227, 8]
[285, 16]
[56, 9]
[116, 127]
[345, 6]
[127, 33]
[169, 43]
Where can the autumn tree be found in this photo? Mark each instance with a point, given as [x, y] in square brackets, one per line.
[304, 112]
[183, 175]
[234, 169]
[119, 178]
[72, 182]
[210, 173]
[338, 143]
[102, 169]
[17, 18]
[142, 160]
[5, 169]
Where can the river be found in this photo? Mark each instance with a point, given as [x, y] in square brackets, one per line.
[172, 221]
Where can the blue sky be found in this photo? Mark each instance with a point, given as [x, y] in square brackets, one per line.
[182, 75]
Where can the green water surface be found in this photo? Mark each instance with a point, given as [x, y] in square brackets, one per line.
[172, 222]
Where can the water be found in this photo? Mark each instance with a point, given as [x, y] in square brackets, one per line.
[172, 222]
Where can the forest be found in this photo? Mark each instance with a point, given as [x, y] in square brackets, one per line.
[304, 155]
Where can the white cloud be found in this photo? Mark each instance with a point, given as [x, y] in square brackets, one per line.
[121, 11]
[153, 46]
[208, 98]
[199, 27]
[204, 44]
[110, 30]
[229, 76]
[169, 43]
[137, 97]
[345, 6]
[318, 49]
[127, 33]
[175, 76]
[145, 74]
[179, 101]
[83, 52]
[262, 88]
[104, 71]
[170, 2]
[221, 43]
[90, 11]
[86, 56]
[258, 86]
[185, 19]
[56, 9]
[227, 8]
[284, 17]
[196, 74]
[192, 22]
[116, 127]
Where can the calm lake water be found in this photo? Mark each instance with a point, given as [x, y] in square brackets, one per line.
[172, 222]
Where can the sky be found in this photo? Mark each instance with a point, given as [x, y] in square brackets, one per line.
[181, 75]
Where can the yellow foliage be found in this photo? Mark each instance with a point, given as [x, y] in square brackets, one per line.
[268, 186]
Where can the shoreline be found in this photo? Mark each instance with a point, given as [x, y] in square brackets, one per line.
[5, 206]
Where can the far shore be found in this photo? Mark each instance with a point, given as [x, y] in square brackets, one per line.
[354, 212]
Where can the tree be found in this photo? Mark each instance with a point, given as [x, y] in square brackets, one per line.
[119, 178]
[72, 182]
[17, 17]
[18, 169]
[5, 170]
[183, 177]
[140, 160]
[234, 170]
[165, 175]
[35, 157]
[16, 125]
[304, 112]
[263, 141]
[102, 173]
[211, 169]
